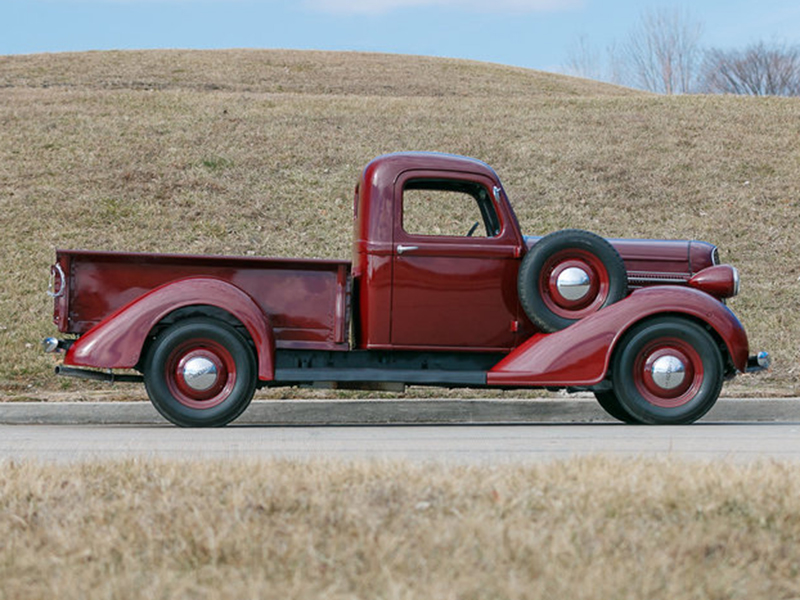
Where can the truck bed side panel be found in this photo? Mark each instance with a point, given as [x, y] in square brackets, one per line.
[306, 301]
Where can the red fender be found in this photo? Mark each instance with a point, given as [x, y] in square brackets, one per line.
[117, 341]
[580, 355]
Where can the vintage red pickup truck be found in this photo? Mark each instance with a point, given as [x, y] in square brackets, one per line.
[443, 290]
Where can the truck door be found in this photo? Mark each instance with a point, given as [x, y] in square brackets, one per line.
[455, 263]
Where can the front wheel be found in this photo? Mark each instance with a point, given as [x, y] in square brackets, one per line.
[200, 373]
[668, 371]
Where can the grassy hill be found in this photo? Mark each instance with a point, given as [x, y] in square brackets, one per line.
[257, 152]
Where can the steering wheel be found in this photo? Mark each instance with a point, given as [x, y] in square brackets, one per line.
[472, 229]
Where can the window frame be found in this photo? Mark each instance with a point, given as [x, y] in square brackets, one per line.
[483, 196]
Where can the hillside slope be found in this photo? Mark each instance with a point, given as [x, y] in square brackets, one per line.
[289, 72]
[257, 152]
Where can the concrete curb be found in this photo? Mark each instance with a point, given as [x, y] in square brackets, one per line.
[378, 412]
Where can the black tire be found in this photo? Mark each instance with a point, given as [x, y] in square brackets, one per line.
[683, 387]
[610, 403]
[539, 280]
[200, 372]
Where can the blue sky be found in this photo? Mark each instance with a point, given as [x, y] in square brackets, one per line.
[528, 33]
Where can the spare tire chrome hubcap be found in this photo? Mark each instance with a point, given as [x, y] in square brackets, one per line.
[573, 283]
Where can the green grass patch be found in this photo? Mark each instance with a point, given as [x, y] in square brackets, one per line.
[216, 163]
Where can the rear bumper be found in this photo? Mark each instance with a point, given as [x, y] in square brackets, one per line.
[54, 345]
[758, 362]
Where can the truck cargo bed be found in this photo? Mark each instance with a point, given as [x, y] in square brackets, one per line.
[307, 300]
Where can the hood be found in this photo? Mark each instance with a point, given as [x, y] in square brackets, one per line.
[651, 262]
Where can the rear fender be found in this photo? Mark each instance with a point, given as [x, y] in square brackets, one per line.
[118, 340]
[580, 355]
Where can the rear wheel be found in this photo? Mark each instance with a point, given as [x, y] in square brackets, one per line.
[667, 371]
[200, 373]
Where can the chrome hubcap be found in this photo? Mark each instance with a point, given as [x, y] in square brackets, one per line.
[573, 283]
[668, 372]
[200, 374]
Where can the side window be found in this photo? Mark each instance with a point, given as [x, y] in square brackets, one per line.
[443, 207]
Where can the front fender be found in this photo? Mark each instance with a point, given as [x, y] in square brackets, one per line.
[117, 341]
[580, 355]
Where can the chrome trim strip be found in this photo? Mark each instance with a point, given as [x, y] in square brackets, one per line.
[657, 279]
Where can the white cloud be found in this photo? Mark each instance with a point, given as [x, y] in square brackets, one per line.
[384, 6]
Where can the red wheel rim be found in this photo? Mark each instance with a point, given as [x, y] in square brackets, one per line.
[200, 374]
[599, 284]
[668, 390]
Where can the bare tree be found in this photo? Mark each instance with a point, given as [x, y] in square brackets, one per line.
[583, 59]
[586, 60]
[758, 70]
[662, 53]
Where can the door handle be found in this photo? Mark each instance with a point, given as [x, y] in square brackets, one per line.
[401, 248]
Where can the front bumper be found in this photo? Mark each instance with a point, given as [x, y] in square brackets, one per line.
[758, 362]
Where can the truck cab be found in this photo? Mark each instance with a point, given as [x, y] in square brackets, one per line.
[435, 257]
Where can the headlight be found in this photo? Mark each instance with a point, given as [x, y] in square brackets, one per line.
[721, 281]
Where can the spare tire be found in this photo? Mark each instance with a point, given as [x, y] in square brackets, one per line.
[568, 275]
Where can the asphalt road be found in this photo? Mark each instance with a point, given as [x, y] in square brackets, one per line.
[737, 442]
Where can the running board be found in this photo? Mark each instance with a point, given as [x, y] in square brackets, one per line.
[291, 376]
[97, 375]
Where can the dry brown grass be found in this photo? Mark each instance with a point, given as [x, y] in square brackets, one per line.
[582, 529]
[257, 152]
[289, 72]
